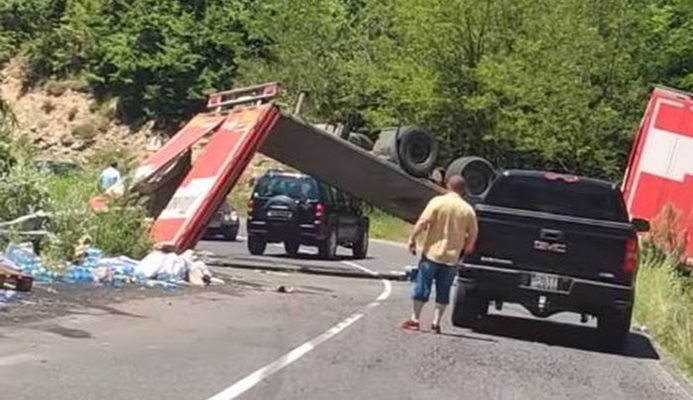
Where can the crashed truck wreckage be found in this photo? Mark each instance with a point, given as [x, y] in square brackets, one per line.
[241, 122]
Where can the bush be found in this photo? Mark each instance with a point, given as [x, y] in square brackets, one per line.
[663, 301]
[7, 158]
[107, 108]
[122, 230]
[87, 131]
[103, 157]
[22, 191]
[55, 88]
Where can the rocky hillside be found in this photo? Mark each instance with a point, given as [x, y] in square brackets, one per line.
[62, 121]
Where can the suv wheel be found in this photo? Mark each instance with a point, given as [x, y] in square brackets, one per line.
[467, 308]
[291, 247]
[256, 245]
[229, 234]
[614, 327]
[328, 248]
[360, 247]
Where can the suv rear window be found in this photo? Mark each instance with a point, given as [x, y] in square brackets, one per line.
[300, 188]
[579, 199]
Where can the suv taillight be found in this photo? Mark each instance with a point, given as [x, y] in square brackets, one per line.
[319, 210]
[630, 263]
[251, 203]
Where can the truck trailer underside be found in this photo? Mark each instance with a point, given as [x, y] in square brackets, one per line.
[235, 135]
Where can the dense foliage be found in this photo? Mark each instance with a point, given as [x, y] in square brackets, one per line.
[558, 84]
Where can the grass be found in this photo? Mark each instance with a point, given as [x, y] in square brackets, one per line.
[57, 88]
[664, 304]
[122, 230]
[387, 227]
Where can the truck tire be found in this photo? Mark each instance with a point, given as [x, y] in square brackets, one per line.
[476, 171]
[361, 140]
[467, 308]
[328, 248]
[360, 246]
[291, 247]
[614, 328]
[256, 245]
[417, 151]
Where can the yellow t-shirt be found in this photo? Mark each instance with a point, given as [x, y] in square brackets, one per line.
[451, 221]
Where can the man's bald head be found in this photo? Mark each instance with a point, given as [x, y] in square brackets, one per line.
[456, 184]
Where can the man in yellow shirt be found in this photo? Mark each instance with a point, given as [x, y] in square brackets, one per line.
[451, 228]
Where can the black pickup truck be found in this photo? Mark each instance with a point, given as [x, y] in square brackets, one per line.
[553, 243]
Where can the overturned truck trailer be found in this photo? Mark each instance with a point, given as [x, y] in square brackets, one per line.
[243, 121]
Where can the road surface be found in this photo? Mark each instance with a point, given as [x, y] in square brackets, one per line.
[319, 337]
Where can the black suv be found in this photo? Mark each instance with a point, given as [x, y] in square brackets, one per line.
[297, 209]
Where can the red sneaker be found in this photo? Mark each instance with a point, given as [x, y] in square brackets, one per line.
[411, 325]
[435, 329]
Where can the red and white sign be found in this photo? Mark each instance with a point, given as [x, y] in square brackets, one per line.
[214, 173]
[200, 126]
[660, 169]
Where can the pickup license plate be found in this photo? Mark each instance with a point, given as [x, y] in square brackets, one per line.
[549, 283]
[279, 214]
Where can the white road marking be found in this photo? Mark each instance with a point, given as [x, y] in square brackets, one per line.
[256, 377]
[282, 362]
[388, 286]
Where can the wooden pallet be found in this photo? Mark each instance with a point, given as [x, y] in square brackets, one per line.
[19, 280]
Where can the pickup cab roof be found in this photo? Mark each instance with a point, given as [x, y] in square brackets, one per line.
[557, 175]
[559, 194]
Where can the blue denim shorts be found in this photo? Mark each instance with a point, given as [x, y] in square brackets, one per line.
[428, 272]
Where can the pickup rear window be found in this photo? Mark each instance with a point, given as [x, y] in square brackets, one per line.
[582, 199]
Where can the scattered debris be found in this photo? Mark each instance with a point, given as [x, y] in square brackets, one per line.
[284, 289]
[199, 274]
[410, 272]
[13, 277]
[161, 268]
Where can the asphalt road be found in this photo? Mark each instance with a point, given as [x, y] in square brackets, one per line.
[320, 337]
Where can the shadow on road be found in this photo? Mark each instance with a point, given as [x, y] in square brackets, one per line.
[67, 332]
[561, 334]
[469, 337]
[315, 257]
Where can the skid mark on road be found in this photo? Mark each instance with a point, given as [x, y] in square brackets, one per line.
[287, 359]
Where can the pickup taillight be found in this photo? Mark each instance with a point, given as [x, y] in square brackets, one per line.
[319, 210]
[630, 262]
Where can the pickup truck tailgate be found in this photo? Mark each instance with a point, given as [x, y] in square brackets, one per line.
[559, 226]
[561, 245]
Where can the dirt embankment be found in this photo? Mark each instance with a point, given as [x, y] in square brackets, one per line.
[62, 121]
